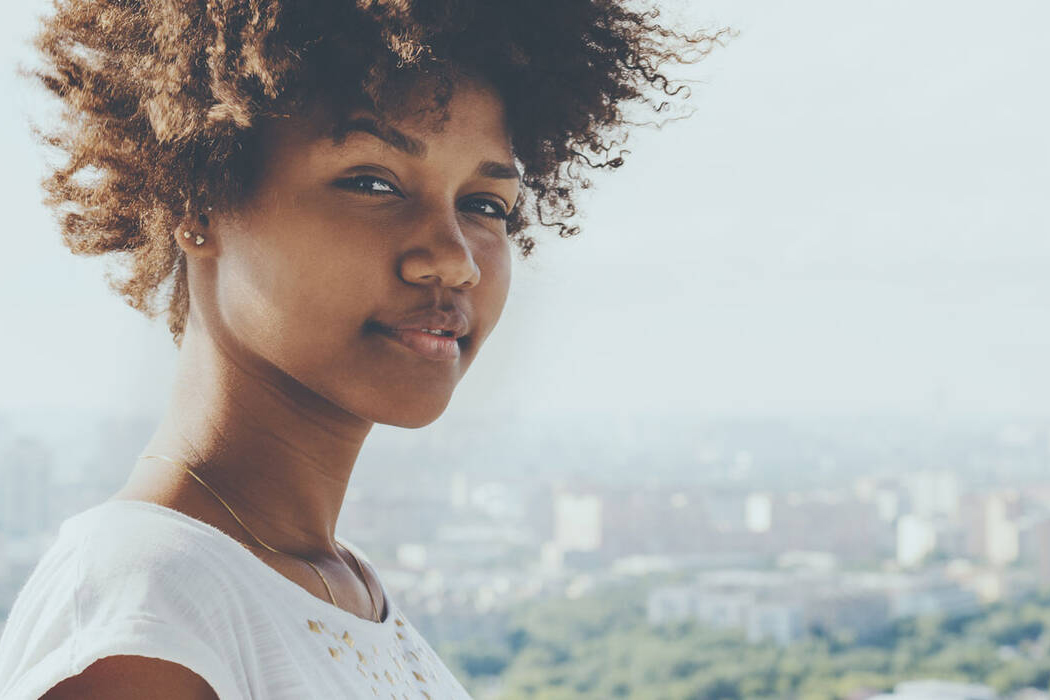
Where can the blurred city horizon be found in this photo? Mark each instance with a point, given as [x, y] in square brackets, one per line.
[775, 530]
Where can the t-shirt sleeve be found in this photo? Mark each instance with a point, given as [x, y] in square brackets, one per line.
[88, 599]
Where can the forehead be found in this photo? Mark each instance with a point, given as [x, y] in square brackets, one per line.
[468, 115]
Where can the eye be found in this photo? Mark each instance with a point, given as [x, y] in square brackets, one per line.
[367, 184]
[372, 185]
[488, 207]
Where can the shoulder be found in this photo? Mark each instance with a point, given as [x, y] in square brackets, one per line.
[123, 581]
[142, 556]
[129, 536]
[130, 678]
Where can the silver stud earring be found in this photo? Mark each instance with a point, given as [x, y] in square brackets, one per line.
[200, 239]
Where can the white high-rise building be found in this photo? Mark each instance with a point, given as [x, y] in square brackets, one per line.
[758, 512]
[916, 538]
[1001, 533]
[577, 522]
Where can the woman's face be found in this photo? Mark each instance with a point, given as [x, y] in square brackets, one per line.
[338, 245]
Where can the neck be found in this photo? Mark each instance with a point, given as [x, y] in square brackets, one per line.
[280, 455]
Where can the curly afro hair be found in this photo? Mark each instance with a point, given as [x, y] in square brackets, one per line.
[162, 99]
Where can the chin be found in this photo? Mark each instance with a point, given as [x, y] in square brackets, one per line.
[412, 413]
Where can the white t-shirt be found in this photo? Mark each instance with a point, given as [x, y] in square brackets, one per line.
[131, 577]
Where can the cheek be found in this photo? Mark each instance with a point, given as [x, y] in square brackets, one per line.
[291, 287]
[495, 277]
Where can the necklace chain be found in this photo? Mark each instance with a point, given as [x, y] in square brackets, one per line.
[328, 588]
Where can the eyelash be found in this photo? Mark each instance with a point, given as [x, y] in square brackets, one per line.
[352, 183]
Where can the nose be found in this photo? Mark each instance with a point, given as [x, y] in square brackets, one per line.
[442, 257]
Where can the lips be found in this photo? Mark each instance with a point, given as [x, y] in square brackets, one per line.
[409, 332]
[433, 347]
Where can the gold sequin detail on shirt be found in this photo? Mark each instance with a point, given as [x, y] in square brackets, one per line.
[416, 670]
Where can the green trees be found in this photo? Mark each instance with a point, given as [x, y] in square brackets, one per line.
[601, 647]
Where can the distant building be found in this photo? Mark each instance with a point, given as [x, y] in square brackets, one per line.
[938, 597]
[934, 493]
[811, 561]
[861, 612]
[887, 504]
[785, 605]
[724, 610]
[577, 522]
[25, 485]
[1002, 538]
[781, 622]
[992, 521]
[827, 522]
[916, 539]
[1034, 541]
[658, 521]
[670, 604]
[758, 512]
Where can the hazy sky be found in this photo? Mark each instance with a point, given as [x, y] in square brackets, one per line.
[854, 220]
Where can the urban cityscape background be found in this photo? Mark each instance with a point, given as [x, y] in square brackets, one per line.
[775, 529]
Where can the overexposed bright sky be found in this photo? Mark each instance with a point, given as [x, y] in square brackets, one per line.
[855, 220]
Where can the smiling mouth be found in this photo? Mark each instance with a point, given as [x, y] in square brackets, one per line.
[440, 348]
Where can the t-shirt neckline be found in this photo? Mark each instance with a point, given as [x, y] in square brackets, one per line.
[262, 566]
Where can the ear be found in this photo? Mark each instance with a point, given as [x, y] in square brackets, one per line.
[195, 235]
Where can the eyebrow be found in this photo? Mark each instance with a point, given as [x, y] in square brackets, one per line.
[417, 149]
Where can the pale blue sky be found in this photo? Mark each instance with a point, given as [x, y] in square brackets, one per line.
[855, 220]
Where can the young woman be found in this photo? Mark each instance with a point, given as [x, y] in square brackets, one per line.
[325, 196]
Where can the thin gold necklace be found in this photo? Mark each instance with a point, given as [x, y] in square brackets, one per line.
[328, 588]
